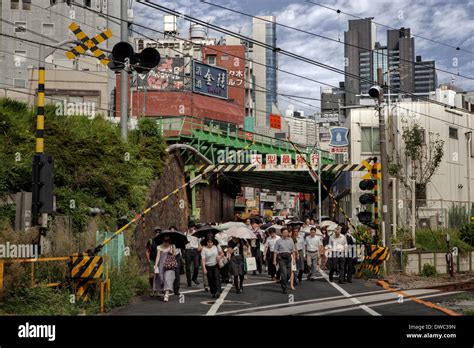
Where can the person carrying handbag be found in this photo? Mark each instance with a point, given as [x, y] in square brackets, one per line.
[165, 266]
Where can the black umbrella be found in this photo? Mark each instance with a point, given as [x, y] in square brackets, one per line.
[267, 225]
[203, 231]
[295, 223]
[177, 238]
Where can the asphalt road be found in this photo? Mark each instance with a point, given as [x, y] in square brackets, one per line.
[261, 296]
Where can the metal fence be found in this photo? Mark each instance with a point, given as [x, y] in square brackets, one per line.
[113, 250]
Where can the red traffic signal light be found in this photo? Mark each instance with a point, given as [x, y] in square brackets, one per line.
[367, 185]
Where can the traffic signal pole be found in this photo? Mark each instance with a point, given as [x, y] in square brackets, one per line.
[124, 73]
[385, 225]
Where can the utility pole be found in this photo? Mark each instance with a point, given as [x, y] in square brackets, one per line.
[384, 161]
[124, 73]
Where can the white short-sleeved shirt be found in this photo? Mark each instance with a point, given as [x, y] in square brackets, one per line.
[271, 243]
[210, 255]
[313, 243]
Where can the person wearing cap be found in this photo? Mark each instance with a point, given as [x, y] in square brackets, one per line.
[150, 253]
[255, 243]
[338, 246]
[191, 256]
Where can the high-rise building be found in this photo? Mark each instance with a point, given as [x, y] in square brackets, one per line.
[426, 79]
[302, 131]
[47, 22]
[360, 41]
[266, 102]
[401, 57]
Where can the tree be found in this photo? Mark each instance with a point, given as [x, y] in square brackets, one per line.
[418, 158]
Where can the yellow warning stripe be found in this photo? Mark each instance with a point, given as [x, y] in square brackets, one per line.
[386, 286]
[89, 44]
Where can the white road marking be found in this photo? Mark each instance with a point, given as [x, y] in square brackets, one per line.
[383, 303]
[363, 302]
[245, 285]
[215, 307]
[286, 304]
[349, 296]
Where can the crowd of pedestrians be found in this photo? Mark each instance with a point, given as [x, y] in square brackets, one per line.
[285, 250]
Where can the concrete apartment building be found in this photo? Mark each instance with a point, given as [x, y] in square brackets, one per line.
[452, 183]
[47, 21]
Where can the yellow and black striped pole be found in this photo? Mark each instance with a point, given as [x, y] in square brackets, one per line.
[376, 194]
[40, 112]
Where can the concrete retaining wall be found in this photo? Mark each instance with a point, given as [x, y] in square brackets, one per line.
[413, 262]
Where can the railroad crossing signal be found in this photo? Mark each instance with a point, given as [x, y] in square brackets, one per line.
[368, 166]
[89, 44]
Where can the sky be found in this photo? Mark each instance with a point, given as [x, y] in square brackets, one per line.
[449, 22]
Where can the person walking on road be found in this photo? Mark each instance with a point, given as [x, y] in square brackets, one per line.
[235, 253]
[337, 248]
[255, 244]
[350, 254]
[191, 256]
[179, 260]
[298, 239]
[210, 255]
[312, 248]
[150, 253]
[284, 248]
[165, 267]
[269, 252]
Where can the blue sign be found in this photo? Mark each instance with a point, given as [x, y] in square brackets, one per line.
[209, 80]
[339, 137]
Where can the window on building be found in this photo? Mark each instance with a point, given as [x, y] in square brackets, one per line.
[88, 3]
[26, 4]
[420, 194]
[224, 57]
[453, 133]
[48, 29]
[211, 59]
[15, 4]
[370, 140]
[20, 27]
[19, 83]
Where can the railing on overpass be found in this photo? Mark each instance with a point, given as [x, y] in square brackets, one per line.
[189, 126]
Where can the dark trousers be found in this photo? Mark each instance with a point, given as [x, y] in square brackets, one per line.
[271, 267]
[284, 264]
[348, 268]
[177, 274]
[192, 258]
[213, 278]
[224, 273]
[258, 258]
[337, 264]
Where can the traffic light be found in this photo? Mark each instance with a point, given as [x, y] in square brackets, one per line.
[365, 217]
[141, 62]
[43, 184]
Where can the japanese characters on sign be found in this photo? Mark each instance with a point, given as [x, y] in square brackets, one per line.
[168, 76]
[338, 150]
[285, 160]
[300, 161]
[236, 78]
[209, 80]
[314, 160]
[256, 159]
[275, 121]
[271, 160]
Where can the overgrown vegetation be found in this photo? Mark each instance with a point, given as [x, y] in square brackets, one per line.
[433, 240]
[93, 166]
[428, 270]
[42, 300]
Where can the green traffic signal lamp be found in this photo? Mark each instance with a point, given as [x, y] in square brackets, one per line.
[367, 184]
[367, 198]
